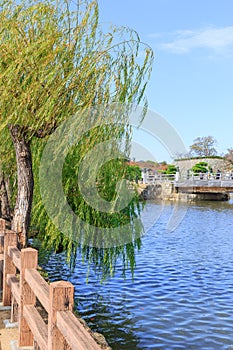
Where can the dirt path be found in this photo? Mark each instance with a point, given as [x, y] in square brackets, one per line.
[6, 334]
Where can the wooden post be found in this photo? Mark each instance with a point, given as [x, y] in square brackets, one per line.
[35, 346]
[2, 242]
[61, 298]
[1, 256]
[10, 239]
[29, 259]
[2, 226]
[14, 310]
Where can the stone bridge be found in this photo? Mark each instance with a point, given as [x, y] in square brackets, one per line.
[194, 188]
[211, 189]
[204, 186]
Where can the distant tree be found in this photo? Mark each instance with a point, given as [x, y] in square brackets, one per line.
[204, 146]
[229, 155]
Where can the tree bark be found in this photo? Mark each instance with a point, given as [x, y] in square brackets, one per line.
[22, 210]
[9, 192]
[4, 200]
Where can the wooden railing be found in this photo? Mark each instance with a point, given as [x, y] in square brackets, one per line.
[22, 286]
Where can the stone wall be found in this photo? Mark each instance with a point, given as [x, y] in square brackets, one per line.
[165, 191]
[161, 190]
[214, 163]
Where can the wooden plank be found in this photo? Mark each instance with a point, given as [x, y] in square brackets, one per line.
[39, 285]
[14, 254]
[13, 283]
[74, 332]
[14, 310]
[37, 326]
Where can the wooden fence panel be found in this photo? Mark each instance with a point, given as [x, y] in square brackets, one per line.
[63, 331]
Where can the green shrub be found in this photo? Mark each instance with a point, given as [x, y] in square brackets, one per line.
[171, 169]
[200, 168]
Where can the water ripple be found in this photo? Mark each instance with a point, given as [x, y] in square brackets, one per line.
[181, 296]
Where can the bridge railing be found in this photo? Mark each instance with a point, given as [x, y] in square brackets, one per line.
[208, 176]
[153, 178]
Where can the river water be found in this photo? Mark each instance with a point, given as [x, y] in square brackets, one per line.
[181, 296]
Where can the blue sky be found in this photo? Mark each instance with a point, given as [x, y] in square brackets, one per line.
[192, 80]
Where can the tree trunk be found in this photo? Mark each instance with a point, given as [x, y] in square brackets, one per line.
[4, 200]
[8, 190]
[22, 210]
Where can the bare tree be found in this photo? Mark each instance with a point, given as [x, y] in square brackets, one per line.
[229, 155]
[204, 146]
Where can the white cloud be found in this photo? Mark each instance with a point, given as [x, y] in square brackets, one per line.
[217, 39]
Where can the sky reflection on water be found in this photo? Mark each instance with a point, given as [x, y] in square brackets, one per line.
[181, 295]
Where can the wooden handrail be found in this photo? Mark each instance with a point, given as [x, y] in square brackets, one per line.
[64, 330]
[14, 254]
[36, 323]
[13, 283]
[75, 333]
[39, 285]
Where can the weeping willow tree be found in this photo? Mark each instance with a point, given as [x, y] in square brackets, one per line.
[101, 249]
[56, 62]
